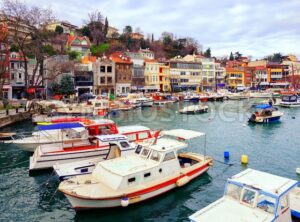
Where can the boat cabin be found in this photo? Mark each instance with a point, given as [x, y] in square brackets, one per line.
[136, 133]
[149, 163]
[251, 196]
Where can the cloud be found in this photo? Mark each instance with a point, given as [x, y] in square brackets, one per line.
[252, 27]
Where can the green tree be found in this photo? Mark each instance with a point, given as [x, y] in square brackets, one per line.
[99, 50]
[105, 29]
[14, 48]
[85, 31]
[59, 30]
[167, 40]
[73, 55]
[231, 58]
[237, 55]
[127, 29]
[276, 57]
[207, 53]
[49, 50]
[66, 85]
[55, 88]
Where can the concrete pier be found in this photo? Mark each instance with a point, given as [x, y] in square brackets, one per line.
[8, 117]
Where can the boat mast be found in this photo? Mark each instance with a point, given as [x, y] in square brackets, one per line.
[293, 76]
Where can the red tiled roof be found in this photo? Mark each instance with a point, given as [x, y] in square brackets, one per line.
[119, 57]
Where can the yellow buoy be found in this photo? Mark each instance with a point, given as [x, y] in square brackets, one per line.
[244, 159]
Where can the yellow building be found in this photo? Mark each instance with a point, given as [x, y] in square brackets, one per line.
[235, 77]
[164, 78]
[151, 75]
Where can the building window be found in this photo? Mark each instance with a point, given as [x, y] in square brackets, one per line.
[12, 76]
[12, 65]
[20, 75]
[109, 69]
[109, 80]
[102, 80]
[102, 68]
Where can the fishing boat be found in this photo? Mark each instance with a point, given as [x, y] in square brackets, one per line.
[66, 132]
[151, 171]
[118, 145]
[95, 149]
[251, 196]
[265, 114]
[194, 109]
[290, 101]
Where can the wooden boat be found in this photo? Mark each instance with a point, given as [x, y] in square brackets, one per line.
[151, 171]
[194, 109]
[94, 149]
[251, 196]
[267, 114]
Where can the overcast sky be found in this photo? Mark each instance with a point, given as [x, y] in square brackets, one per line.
[253, 27]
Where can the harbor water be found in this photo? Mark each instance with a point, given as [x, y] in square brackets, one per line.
[274, 148]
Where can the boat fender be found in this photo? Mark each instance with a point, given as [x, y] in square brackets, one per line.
[182, 181]
[124, 201]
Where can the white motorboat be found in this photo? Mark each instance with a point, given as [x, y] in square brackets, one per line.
[63, 132]
[143, 102]
[290, 101]
[251, 196]
[295, 202]
[237, 96]
[298, 170]
[262, 94]
[152, 170]
[118, 146]
[97, 148]
[194, 109]
[267, 114]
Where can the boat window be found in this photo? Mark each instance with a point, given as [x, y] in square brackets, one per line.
[248, 196]
[138, 149]
[124, 144]
[143, 135]
[145, 152]
[170, 156]
[155, 156]
[131, 137]
[266, 203]
[147, 174]
[104, 130]
[234, 191]
[131, 180]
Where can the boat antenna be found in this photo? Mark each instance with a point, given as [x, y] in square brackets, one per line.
[156, 134]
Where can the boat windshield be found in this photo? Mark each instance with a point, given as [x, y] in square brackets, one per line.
[145, 152]
[266, 203]
[234, 191]
[248, 196]
[155, 156]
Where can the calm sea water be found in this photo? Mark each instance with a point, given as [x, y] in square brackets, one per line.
[273, 148]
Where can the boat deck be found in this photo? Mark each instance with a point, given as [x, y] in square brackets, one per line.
[295, 202]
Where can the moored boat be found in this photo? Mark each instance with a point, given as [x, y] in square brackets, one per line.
[266, 114]
[151, 171]
[251, 196]
[290, 101]
[118, 146]
[194, 109]
[97, 148]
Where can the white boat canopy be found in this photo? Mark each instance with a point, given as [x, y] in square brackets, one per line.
[183, 133]
[272, 184]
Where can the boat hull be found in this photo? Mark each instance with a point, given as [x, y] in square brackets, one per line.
[83, 203]
[265, 120]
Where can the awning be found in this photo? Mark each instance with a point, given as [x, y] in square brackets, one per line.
[151, 87]
[279, 84]
[183, 133]
[6, 87]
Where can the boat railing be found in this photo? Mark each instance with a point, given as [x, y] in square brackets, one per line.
[21, 135]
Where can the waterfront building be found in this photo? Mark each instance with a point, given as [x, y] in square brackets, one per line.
[151, 75]
[291, 72]
[123, 72]
[235, 74]
[104, 76]
[164, 77]
[185, 74]
[220, 75]
[83, 76]
[208, 73]
[17, 74]
[138, 60]
[4, 62]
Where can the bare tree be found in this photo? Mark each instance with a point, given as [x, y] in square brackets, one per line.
[96, 27]
[26, 27]
[4, 57]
